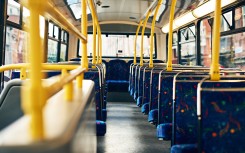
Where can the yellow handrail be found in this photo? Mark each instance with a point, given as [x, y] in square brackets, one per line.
[84, 29]
[94, 41]
[45, 66]
[98, 46]
[50, 12]
[66, 79]
[152, 33]
[99, 39]
[170, 35]
[214, 70]
[142, 37]
[135, 40]
[33, 103]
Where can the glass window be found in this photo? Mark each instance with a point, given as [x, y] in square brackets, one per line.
[56, 32]
[174, 49]
[120, 46]
[205, 34]
[63, 52]
[188, 46]
[52, 51]
[226, 22]
[232, 51]
[26, 15]
[16, 46]
[51, 29]
[240, 17]
[13, 11]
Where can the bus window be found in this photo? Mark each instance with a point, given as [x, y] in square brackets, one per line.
[174, 49]
[52, 51]
[226, 22]
[13, 12]
[119, 45]
[232, 51]
[188, 46]
[240, 17]
[205, 34]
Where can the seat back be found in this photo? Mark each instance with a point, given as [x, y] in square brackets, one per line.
[221, 109]
[10, 106]
[185, 109]
[117, 70]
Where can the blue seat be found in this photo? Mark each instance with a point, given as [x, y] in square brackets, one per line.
[100, 128]
[117, 76]
[165, 104]
[140, 85]
[153, 116]
[184, 111]
[153, 103]
[145, 109]
[164, 131]
[222, 119]
[146, 87]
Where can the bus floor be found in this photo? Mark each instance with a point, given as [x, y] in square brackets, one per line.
[128, 131]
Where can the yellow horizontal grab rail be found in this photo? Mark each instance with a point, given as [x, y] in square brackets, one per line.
[49, 11]
[44, 67]
[65, 79]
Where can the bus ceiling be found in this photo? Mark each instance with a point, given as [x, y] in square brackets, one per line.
[128, 11]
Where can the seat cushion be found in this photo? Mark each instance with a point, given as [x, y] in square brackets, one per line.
[164, 131]
[153, 116]
[139, 101]
[184, 148]
[100, 128]
[145, 108]
[117, 85]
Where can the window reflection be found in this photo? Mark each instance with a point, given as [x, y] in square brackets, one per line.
[232, 51]
[13, 11]
[240, 17]
[205, 33]
[52, 51]
[188, 46]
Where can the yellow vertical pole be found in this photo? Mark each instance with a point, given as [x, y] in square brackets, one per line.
[68, 88]
[135, 40]
[100, 46]
[142, 37]
[214, 70]
[33, 103]
[152, 33]
[23, 73]
[94, 40]
[84, 60]
[170, 35]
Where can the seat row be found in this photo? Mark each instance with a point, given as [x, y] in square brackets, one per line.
[196, 114]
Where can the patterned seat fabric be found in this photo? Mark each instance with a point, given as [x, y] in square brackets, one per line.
[223, 119]
[94, 75]
[165, 100]
[140, 86]
[154, 90]
[146, 88]
[185, 125]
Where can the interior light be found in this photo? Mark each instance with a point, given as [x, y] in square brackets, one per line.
[209, 7]
[204, 9]
[165, 28]
[184, 19]
[199, 12]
